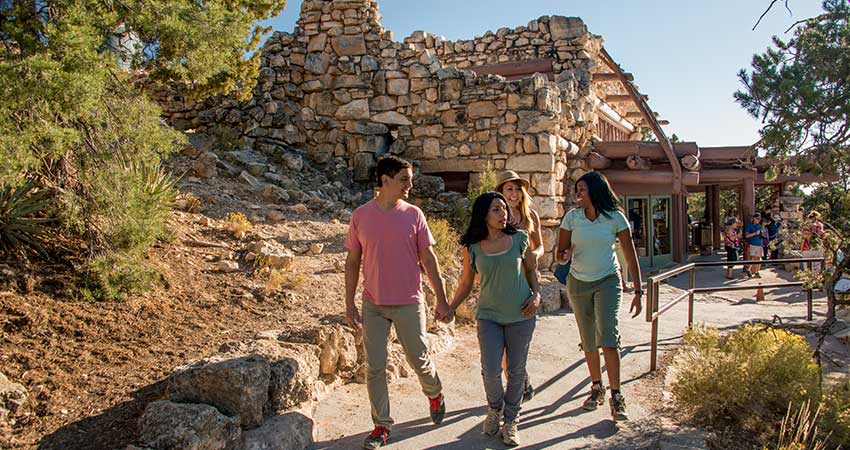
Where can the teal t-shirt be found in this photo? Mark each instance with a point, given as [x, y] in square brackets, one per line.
[504, 288]
[593, 243]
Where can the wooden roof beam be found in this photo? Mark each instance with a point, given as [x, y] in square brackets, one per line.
[616, 98]
[602, 77]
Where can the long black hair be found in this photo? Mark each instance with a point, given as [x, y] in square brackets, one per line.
[477, 229]
[602, 197]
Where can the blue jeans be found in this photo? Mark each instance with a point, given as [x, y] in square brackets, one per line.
[513, 340]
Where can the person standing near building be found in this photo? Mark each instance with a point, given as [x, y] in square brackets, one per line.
[731, 242]
[507, 306]
[390, 238]
[774, 236]
[766, 222]
[524, 218]
[587, 235]
[752, 234]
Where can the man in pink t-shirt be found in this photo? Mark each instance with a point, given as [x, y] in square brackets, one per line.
[390, 238]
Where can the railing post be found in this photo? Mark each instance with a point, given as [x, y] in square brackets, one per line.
[653, 346]
[808, 304]
[692, 274]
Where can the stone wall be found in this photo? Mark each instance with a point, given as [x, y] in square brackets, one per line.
[339, 86]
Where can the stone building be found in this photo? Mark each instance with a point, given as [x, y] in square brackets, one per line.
[539, 99]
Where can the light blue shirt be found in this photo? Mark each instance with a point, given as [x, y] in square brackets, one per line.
[593, 243]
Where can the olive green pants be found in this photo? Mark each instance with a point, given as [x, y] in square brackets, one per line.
[596, 305]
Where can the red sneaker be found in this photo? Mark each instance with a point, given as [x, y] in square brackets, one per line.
[377, 438]
[438, 408]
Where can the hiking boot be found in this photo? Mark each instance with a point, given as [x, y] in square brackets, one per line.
[492, 421]
[510, 434]
[438, 409]
[527, 391]
[596, 398]
[377, 438]
[618, 407]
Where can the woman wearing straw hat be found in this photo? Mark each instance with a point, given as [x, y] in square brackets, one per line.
[515, 190]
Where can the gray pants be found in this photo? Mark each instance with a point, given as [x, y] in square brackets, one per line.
[409, 323]
[513, 340]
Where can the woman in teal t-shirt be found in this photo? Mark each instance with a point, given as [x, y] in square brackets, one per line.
[507, 306]
[588, 234]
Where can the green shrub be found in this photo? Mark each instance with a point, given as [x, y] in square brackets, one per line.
[486, 183]
[447, 247]
[836, 413]
[748, 376]
[127, 205]
[116, 276]
[21, 219]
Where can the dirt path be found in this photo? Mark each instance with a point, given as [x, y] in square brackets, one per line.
[553, 418]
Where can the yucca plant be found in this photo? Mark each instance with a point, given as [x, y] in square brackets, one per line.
[21, 218]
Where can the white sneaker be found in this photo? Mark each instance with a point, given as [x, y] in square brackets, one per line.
[510, 434]
[492, 422]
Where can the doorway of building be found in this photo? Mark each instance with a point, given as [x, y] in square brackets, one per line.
[651, 223]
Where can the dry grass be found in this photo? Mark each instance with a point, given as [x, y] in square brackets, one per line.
[237, 224]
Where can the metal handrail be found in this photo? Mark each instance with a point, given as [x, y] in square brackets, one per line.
[654, 311]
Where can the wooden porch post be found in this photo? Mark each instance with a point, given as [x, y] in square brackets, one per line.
[679, 239]
[716, 217]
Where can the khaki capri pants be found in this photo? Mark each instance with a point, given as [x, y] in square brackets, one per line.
[597, 305]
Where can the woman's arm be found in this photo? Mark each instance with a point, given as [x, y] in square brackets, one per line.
[630, 254]
[565, 243]
[529, 266]
[464, 285]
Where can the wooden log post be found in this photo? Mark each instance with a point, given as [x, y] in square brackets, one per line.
[691, 163]
[597, 161]
[635, 162]
[649, 177]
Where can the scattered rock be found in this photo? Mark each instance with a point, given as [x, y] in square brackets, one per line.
[289, 431]
[171, 426]
[338, 353]
[299, 209]
[250, 179]
[316, 248]
[12, 397]
[236, 386]
[275, 216]
[206, 165]
[227, 266]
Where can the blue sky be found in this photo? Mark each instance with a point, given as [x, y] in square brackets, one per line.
[684, 54]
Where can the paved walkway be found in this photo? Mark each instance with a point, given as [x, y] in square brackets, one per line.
[553, 418]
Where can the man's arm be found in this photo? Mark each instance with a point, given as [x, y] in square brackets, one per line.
[432, 270]
[352, 277]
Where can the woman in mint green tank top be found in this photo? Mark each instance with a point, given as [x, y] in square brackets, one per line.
[507, 306]
[588, 234]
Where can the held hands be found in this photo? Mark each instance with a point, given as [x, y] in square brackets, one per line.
[443, 312]
[529, 308]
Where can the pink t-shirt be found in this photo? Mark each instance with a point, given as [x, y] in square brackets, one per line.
[390, 242]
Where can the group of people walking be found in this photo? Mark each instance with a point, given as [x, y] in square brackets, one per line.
[389, 238]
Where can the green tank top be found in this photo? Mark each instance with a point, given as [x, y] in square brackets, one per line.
[504, 288]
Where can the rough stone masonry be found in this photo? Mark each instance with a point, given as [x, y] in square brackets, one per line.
[339, 86]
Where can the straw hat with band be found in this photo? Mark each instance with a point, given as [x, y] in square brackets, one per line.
[510, 175]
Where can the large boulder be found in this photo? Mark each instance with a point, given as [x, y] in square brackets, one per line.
[184, 426]
[290, 431]
[294, 375]
[236, 386]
